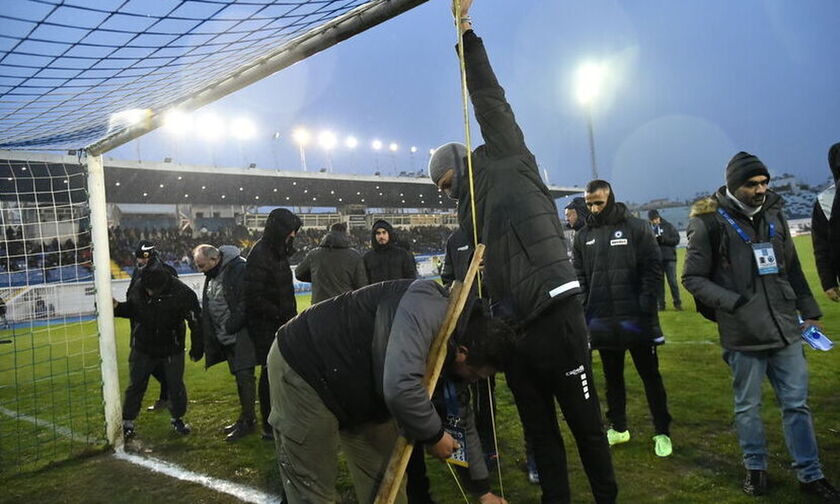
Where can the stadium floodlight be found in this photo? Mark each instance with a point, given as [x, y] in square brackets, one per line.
[413, 149]
[177, 122]
[327, 140]
[210, 127]
[242, 128]
[351, 142]
[393, 147]
[589, 81]
[431, 152]
[129, 117]
[376, 144]
[301, 137]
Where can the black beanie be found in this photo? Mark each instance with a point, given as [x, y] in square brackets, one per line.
[653, 214]
[742, 167]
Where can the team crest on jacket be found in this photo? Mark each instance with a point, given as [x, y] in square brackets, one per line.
[618, 234]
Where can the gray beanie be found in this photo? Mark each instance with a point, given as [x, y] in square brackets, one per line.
[446, 157]
[742, 167]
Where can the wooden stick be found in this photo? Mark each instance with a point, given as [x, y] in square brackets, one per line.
[391, 481]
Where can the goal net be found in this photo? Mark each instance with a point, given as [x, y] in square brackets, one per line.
[50, 381]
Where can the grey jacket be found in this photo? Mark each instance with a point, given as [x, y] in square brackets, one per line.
[753, 312]
[333, 268]
[223, 314]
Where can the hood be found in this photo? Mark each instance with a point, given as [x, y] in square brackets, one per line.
[392, 236]
[834, 160]
[336, 239]
[279, 224]
[579, 206]
[613, 213]
[229, 253]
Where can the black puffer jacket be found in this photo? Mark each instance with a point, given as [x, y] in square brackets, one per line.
[389, 261]
[333, 268]
[825, 227]
[753, 312]
[158, 320]
[668, 240]
[620, 270]
[269, 286]
[527, 263]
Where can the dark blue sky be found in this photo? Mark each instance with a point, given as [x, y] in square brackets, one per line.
[691, 83]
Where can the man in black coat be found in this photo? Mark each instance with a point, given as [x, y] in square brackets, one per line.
[387, 260]
[825, 230]
[617, 261]
[529, 279]
[225, 332]
[146, 255]
[668, 238]
[270, 292]
[333, 268]
[159, 305]
[349, 370]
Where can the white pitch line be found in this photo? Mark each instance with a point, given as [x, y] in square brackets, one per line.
[242, 492]
[64, 431]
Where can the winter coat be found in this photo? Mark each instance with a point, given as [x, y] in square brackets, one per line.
[527, 264]
[620, 270]
[668, 238]
[158, 320]
[456, 262]
[269, 286]
[223, 313]
[340, 348]
[825, 227]
[333, 268]
[154, 261]
[389, 261]
[754, 312]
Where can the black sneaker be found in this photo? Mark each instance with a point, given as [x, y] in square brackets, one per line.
[180, 427]
[755, 483]
[242, 429]
[128, 432]
[232, 427]
[821, 488]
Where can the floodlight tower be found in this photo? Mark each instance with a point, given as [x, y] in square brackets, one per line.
[590, 79]
[327, 140]
[301, 137]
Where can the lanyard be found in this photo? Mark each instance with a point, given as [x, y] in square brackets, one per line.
[450, 396]
[744, 236]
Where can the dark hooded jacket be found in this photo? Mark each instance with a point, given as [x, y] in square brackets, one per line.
[158, 319]
[389, 261]
[619, 267]
[333, 268]
[825, 227]
[753, 312]
[668, 238]
[269, 286]
[527, 265]
[579, 206]
[223, 313]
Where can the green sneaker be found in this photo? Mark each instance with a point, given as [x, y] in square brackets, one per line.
[614, 437]
[662, 445]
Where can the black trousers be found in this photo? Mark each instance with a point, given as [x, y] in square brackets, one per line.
[669, 268]
[553, 363]
[159, 372]
[646, 361]
[140, 367]
[246, 387]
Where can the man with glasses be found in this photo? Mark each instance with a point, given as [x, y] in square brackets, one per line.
[742, 264]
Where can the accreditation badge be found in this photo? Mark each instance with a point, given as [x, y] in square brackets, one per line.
[459, 457]
[765, 258]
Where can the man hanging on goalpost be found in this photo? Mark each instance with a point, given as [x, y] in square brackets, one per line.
[529, 280]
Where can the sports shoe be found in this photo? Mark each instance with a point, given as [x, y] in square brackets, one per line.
[158, 405]
[614, 437]
[821, 488]
[242, 429]
[180, 427]
[267, 432]
[128, 429]
[533, 474]
[662, 445]
[755, 483]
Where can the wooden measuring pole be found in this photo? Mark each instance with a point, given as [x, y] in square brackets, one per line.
[392, 479]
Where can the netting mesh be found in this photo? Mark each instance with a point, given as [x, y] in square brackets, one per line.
[68, 68]
[50, 380]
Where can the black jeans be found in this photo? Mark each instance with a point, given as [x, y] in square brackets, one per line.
[647, 365]
[670, 276]
[140, 367]
[551, 363]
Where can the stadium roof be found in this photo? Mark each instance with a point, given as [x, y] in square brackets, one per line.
[168, 183]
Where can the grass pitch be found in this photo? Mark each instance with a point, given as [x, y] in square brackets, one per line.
[705, 466]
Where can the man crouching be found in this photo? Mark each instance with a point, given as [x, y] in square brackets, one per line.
[345, 369]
